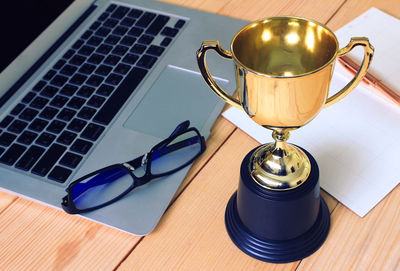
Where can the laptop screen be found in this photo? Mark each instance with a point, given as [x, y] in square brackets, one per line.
[23, 21]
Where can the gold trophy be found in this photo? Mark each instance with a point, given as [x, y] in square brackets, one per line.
[283, 69]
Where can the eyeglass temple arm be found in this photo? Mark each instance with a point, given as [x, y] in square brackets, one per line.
[162, 150]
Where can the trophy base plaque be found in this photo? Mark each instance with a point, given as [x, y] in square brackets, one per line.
[277, 226]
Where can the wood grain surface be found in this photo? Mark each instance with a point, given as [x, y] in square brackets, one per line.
[191, 235]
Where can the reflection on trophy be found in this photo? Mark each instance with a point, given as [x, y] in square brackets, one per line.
[283, 69]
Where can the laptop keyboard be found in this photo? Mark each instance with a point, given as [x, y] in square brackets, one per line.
[51, 129]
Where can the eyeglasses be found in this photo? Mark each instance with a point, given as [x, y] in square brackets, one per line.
[107, 185]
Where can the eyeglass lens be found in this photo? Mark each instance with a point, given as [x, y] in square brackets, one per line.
[101, 188]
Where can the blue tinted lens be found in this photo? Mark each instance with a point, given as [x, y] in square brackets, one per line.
[176, 154]
[101, 188]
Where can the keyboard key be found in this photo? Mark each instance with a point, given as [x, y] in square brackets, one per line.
[6, 121]
[77, 44]
[47, 161]
[112, 60]
[114, 79]
[103, 16]
[81, 146]
[12, 154]
[92, 131]
[28, 114]
[180, 23]
[105, 90]
[128, 41]
[17, 126]
[29, 158]
[170, 32]
[112, 39]
[95, 25]
[59, 174]
[66, 138]
[59, 101]
[87, 34]
[134, 13]
[77, 60]
[48, 112]
[111, 7]
[145, 39]
[38, 125]
[87, 69]
[49, 75]
[49, 91]
[119, 96]
[147, 61]
[145, 19]
[122, 68]
[157, 25]
[86, 112]
[70, 160]
[6, 139]
[59, 64]
[155, 50]
[28, 97]
[120, 30]
[104, 49]
[103, 31]
[96, 101]
[59, 80]
[120, 12]
[135, 31]
[27, 137]
[68, 70]
[69, 54]
[103, 70]
[128, 21]
[56, 126]
[86, 50]
[95, 41]
[45, 139]
[95, 80]
[78, 79]
[69, 90]
[120, 50]
[17, 109]
[138, 48]
[66, 114]
[76, 125]
[85, 91]
[130, 59]
[39, 86]
[96, 59]
[39, 102]
[110, 22]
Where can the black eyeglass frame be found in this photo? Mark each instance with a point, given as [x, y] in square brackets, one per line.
[68, 203]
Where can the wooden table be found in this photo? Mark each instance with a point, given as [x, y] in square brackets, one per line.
[192, 235]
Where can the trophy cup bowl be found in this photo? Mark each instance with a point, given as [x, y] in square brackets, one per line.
[283, 68]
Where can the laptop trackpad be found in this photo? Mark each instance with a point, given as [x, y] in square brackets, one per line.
[177, 95]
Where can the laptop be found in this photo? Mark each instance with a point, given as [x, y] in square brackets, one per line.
[102, 83]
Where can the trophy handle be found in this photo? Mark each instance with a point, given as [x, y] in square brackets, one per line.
[368, 54]
[201, 61]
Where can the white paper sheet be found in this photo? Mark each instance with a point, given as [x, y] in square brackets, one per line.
[383, 32]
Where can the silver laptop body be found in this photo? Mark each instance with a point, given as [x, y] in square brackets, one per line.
[170, 93]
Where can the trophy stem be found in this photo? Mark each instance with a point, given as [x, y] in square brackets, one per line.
[280, 165]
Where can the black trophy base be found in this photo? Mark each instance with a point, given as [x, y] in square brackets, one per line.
[277, 226]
